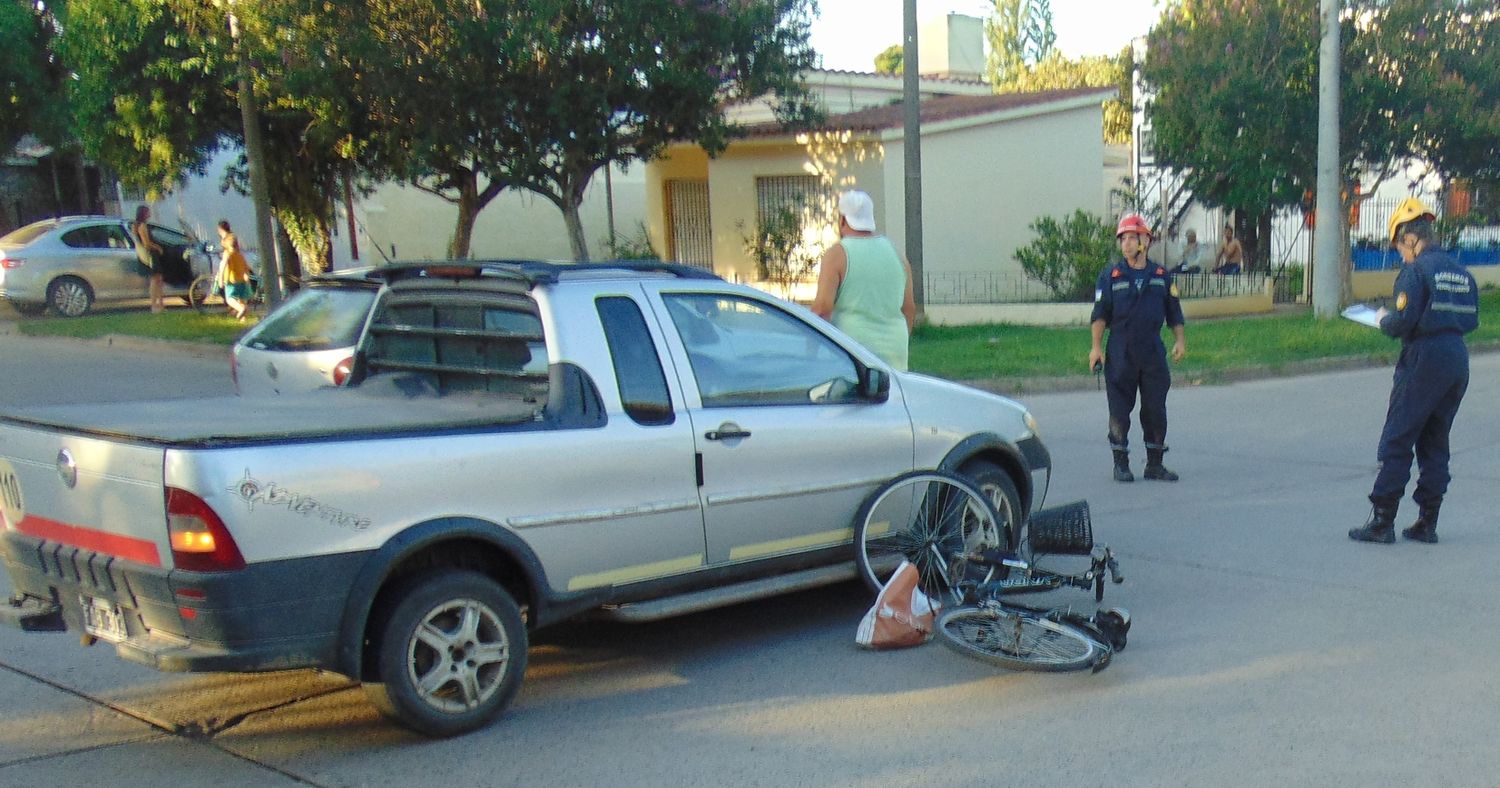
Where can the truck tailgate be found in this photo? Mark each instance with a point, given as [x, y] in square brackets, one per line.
[96, 494]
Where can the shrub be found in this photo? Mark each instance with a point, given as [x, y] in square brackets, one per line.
[779, 247]
[632, 247]
[1067, 255]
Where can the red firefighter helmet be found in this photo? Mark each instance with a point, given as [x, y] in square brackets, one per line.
[1133, 223]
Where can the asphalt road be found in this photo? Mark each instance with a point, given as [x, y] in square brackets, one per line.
[1267, 648]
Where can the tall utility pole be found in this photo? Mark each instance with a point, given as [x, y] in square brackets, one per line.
[270, 274]
[911, 104]
[1327, 290]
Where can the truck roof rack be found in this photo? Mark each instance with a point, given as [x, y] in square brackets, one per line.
[534, 272]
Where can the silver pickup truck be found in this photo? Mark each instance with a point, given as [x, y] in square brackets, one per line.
[522, 443]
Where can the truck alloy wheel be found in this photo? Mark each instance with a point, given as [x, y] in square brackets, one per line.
[451, 653]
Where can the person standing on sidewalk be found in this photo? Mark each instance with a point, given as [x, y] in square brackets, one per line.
[1132, 298]
[864, 284]
[148, 252]
[1436, 303]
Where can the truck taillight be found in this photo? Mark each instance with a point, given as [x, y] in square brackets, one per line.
[200, 542]
[341, 371]
[10, 262]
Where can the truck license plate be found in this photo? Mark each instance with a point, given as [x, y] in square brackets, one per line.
[102, 619]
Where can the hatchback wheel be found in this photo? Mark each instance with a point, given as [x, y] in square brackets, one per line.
[70, 296]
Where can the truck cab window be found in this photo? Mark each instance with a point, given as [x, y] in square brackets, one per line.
[643, 383]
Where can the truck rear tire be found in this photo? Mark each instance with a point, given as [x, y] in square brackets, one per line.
[451, 653]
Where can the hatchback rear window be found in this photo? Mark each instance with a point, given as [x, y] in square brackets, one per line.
[316, 318]
[27, 234]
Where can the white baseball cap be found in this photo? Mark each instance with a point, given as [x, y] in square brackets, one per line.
[858, 210]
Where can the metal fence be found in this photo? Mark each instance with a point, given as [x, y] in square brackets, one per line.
[977, 287]
[972, 287]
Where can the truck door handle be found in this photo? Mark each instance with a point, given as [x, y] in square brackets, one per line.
[727, 432]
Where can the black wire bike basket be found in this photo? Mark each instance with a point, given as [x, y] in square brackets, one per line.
[1062, 530]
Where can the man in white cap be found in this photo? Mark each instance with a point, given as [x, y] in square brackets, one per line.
[864, 284]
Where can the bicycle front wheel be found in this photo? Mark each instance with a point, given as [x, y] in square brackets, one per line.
[932, 519]
[200, 291]
[1017, 640]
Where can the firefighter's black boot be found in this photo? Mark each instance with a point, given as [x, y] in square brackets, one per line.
[1425, 528]
[1381, 526]
[1122, 466]
[1155, 470]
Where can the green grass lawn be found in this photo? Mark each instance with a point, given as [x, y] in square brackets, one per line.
[214, 326]
[1214, 347]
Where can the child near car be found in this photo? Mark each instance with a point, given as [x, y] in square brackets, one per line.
[234, 273]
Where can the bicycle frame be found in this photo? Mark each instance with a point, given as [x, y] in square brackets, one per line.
[1024, 577]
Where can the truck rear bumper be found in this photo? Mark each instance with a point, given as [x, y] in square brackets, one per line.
[275, 615]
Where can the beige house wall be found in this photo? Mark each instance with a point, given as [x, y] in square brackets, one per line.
[837, 160]
[984, 185]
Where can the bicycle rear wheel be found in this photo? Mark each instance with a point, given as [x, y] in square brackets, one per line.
[934, 520]
[1017, 640]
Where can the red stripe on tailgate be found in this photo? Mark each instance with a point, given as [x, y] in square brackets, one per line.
[127, 547]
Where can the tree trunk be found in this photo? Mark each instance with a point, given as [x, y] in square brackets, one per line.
[85, 195]
[574, 223]
[468, 211]
[1263, 256]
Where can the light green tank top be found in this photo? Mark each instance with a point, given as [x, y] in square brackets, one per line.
[868, 305]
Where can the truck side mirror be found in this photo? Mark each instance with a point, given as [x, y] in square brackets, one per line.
[874, 384]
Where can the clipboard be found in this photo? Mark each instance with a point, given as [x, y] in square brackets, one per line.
[1363, 314]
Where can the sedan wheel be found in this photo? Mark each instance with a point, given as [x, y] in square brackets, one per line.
[451, 654]
[70, 296]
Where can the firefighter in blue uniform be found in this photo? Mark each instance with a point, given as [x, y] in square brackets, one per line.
[1132, 298]
[1436, 303]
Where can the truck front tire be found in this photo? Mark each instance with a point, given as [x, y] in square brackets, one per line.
[451, 653]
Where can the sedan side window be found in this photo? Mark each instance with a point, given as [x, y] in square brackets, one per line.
[115, 237]
[746, 352]
[92, 237]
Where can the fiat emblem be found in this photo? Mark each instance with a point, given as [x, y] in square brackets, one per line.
[67, 468]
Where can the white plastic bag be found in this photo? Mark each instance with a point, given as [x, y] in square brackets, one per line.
[901, 616]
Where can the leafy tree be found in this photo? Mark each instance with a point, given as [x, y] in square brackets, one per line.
[149, 97]
[1234, 85]
[1020, 34]
[889, 60]
[608, 83]
[30, 78]
[1067, 255]
[1056, 72]
[156, 94]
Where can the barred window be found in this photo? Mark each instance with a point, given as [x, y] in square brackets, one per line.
[802, 193]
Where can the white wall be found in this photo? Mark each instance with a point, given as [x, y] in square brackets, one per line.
[984, 185]
[418, 225]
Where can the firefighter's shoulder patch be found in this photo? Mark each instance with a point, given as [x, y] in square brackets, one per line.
[1114, 274]
[1400, 301]
[1160, 271]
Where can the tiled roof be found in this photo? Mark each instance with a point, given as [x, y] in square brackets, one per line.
[937, 110]
[898, 77]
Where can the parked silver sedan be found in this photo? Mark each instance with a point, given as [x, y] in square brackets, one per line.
[70, 263]
[307, 342]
